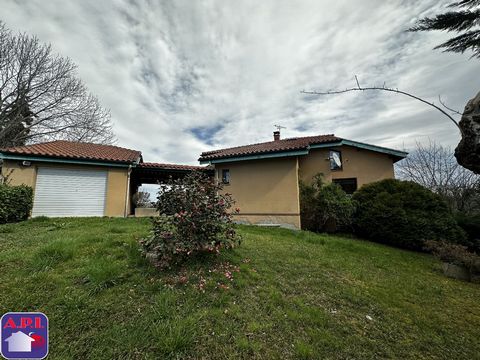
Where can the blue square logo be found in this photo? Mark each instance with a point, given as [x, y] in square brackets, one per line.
[24, 335]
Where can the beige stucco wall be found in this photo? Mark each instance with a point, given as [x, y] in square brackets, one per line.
[367, 166]
[117, 199]
[17, 174]
[265, 191]
[117, 181]
[146, 212]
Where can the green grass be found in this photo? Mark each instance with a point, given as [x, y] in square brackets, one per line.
[293, 295]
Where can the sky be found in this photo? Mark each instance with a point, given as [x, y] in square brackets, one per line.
[182, 77]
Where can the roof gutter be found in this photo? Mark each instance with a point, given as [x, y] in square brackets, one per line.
[255, 157]
[400, 154]
[62, 160]
[325, 145]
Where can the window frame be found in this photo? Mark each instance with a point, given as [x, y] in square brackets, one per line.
[225, 179]
[353, 179]
[330, 159]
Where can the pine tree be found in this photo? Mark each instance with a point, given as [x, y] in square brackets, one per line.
[15, 125]
[464, 21]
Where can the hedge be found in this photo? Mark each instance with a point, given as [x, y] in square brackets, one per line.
[404, 214]
[471, 225]
[325, 207]
[15, 203]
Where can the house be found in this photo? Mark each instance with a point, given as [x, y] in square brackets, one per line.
[19, 342]
[263, 178]
[84, 179]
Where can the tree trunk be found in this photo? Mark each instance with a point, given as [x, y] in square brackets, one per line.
[468, 149]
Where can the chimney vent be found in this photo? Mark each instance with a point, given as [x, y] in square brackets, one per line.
[276, 135]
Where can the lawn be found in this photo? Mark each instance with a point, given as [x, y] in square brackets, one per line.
[281, 294]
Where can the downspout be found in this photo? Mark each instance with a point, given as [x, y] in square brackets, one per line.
[128, 191]
[298, 194]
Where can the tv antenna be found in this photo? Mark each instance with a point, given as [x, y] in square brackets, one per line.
[279, 127]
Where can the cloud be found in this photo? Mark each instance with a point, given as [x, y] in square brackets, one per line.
[184, 77]
[206, 133]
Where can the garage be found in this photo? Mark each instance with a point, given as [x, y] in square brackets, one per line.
[69, 192]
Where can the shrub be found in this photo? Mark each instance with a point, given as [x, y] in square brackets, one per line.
[141, 199]
[454, 254]
[194, 218]
[471, 225]
[404, 214]
[15, 203]
[308, 206]
[325, 207]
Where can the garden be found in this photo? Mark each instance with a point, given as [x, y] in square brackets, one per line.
[280, 294]
[192, 284]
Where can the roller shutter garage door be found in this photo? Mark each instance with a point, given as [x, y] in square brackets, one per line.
[66, 192]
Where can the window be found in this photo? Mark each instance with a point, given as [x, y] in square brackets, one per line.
[348, 185]
[335, 160]
[226, 176]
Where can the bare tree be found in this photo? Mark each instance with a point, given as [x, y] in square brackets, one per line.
[41, 97]
[434, 167]
[142, 199]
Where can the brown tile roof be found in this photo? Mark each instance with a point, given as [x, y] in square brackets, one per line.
[77, 150]
[148, 165]
[299, 143]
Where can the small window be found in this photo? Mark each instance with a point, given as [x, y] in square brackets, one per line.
[335, 160]
[226, 176]
[348, 185]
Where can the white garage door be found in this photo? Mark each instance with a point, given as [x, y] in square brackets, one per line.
[65, 192]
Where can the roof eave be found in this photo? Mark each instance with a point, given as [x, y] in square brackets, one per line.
[260, 156]
[52, 159]
[394, 153]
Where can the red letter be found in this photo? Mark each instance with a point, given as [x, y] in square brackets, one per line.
[38, 323]
[25, 322]
[10, 324]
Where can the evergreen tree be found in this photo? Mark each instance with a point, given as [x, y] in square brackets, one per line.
[15, 125]
[464, 21]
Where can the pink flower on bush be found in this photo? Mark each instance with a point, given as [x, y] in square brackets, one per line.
[228, 275]
[194, 218]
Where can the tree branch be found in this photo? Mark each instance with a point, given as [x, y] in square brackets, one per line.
[448, 108]
[383, 88]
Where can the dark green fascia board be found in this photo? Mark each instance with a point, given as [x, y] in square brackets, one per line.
[255, 157]
[62, 161]
[325, 145]
[397, 153]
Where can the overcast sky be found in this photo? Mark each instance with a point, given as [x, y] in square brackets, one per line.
[182, 77]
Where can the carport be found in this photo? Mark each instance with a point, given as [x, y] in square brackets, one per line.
[158, 173]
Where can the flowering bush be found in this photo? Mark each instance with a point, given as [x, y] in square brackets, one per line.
[194, 218]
